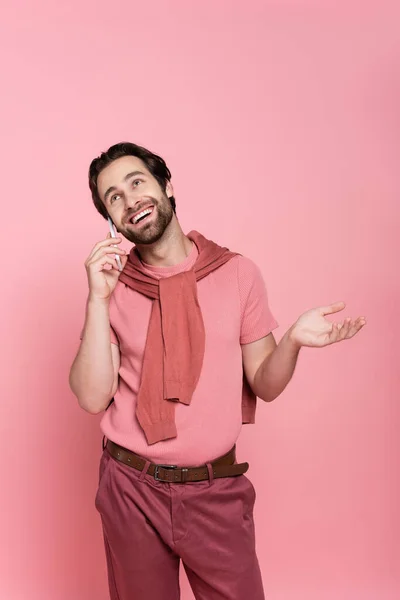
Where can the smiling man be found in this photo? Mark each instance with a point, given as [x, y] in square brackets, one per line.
[175, 349]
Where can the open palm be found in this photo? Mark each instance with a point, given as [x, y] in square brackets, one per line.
[315, 330]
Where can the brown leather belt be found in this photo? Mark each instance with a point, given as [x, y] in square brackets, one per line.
[224, 466]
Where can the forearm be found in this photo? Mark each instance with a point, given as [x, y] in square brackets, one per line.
[92, 373]
[276, 371]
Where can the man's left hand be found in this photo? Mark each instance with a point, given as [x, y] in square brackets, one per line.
[314, 330]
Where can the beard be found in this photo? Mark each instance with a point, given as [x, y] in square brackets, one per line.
[150, 233]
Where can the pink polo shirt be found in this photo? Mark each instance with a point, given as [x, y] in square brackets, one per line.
[234, 305]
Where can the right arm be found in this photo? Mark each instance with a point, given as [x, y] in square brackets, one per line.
[94, 372]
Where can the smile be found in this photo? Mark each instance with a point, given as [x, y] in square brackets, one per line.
[142, 216]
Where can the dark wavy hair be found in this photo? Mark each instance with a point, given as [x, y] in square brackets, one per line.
[155, 164]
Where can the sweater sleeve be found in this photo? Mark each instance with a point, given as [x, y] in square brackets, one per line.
[257, 320]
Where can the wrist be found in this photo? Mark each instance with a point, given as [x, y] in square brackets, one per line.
[94, 301]
[291, 340]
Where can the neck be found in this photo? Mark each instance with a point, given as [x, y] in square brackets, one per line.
[171, 249]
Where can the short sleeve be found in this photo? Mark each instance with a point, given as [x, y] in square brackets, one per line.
[257, 320]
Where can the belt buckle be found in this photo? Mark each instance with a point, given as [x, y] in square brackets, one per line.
[158, 467]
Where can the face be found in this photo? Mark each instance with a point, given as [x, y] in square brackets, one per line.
[135, 201]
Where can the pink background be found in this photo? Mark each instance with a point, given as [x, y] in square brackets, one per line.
[280, 123]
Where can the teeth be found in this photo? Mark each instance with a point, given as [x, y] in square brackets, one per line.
[140, 215]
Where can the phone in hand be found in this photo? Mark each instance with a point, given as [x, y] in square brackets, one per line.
[114, 235]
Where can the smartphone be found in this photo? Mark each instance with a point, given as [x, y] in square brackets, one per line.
[114, 235]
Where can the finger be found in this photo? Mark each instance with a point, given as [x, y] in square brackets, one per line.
[334, 335]
[97, 262]
[356, 326]
[104, 243]
[339, 327]
[345, 328]
[332, 308]
[116, 265]
[98, 247]
[123, 263]
[111, 250]
[102, 263]
[124, 260]
[104, 250]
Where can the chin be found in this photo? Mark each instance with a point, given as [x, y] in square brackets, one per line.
[144, 238]
[149, 239]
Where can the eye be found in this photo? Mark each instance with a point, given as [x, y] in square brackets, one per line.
[113, 198]
[136, 182]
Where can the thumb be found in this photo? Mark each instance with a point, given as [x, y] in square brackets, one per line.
[333, 308]
[124, 259]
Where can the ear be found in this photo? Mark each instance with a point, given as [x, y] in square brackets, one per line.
[169, 190]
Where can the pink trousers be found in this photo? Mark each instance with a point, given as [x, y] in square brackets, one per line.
[150, 526]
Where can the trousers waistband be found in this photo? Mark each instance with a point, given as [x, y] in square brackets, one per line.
[224, 466]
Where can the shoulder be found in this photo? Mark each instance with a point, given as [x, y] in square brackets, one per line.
[247, 269]
[242, 272]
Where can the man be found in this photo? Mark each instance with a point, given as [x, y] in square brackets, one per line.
[182, 341]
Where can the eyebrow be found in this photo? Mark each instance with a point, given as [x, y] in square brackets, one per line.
[113, 188]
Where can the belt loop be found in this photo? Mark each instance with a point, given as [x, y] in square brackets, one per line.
[210, 473]
[144, 471]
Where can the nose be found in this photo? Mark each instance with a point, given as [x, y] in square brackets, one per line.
[131, 200]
